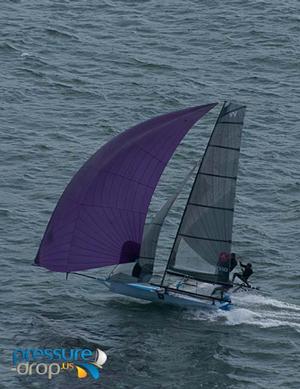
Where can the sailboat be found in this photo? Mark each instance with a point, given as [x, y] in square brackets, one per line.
[100, 219]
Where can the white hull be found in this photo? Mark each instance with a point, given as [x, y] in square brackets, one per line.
[156, 294]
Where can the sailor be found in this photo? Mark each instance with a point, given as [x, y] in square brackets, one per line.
[233, 262]
[137, 269]
[143, 272]
[246, 273]
[221, 293]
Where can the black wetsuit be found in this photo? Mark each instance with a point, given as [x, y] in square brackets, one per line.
[233, 263]
[247, 272]
[136, 271]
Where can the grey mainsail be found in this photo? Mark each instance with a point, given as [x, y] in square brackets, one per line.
[152, 230]
[203, 240]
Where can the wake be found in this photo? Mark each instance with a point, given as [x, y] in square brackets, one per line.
[256, 310]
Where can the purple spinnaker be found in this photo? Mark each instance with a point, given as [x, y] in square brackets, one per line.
[100, 217]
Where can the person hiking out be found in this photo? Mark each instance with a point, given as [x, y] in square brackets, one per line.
[246, 273]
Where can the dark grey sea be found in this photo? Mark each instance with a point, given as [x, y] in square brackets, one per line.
[74, 73]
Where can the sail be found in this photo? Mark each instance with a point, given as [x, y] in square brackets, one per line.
[100, 217]
[152, 230]
[203, 242]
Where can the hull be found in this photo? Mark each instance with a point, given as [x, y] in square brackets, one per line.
[156, 294]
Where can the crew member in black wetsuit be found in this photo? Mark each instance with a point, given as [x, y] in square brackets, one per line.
[136, 271]
[247, 272]
[233, 262]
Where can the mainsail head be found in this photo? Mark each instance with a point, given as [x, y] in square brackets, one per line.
[100, 217]
[203, 242]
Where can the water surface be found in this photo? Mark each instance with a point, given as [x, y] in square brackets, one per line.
[76, 73]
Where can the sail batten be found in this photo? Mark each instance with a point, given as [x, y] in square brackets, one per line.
[212, 207]
[100, 217]
[225, 147]
[217, 175]
[204, 238]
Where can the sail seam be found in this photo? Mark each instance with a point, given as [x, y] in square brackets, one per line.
[238, 123]
[128, 178]
[226, 147]
[217, 175]
[210, 206]
[202, 238]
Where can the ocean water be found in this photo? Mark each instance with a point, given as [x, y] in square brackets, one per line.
[76, 73]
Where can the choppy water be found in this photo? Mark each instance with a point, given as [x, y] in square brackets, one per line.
[75, 73]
